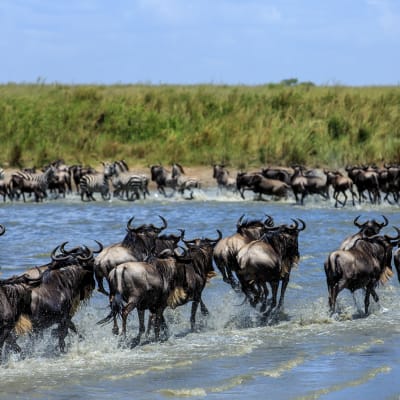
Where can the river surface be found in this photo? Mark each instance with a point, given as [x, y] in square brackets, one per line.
[306, 354]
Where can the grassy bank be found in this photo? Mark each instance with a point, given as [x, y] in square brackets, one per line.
[198, 125]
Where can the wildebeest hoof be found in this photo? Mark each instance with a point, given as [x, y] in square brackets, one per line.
[115, 331]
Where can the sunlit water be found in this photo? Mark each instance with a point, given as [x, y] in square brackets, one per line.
[306, 354]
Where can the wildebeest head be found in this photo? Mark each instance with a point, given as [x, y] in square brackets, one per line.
[370, 227]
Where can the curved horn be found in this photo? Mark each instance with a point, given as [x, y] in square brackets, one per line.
[164, 222]
[385, 223]
[269, 221]
[182, 233]
[129, 225]
[216, 240]
[293, 226]
[239, 222]
[303, 225]
[393, 239]
[356, 223]
[100, 247]
[2, 229]
[89, 254]
[59, 257]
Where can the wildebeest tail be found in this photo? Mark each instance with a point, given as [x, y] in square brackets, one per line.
[116, 305]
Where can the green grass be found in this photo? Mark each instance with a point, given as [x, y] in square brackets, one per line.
[242, 126]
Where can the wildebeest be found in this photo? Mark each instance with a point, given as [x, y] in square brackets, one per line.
[269, 260]
[137, 244]
[163, 179]
[367, 229]
[341, 184]
[366, 179]
[152, 285]
[261, 185]
[15, 305]
[224, 180]
[304, 183]
[198, 272]
[67, 282]
[226, 249]
[184, 182]
[361, 267]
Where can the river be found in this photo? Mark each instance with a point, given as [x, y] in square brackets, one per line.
[306, 354]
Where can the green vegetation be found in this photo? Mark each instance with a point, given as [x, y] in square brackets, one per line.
[242, 126]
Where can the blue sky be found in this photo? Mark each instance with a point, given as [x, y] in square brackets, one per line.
[328, 42]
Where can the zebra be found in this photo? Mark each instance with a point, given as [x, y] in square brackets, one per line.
[137, 185]
[128, 184]
[97, 182]
[32, 182]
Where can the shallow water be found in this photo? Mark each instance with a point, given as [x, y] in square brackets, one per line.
[306, 354]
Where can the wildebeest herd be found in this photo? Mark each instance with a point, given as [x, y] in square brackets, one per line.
[149, 270]
[366, 183]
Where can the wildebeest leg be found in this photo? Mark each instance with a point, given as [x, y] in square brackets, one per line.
[203, 308]
[370, 291]
[124, 314]
[62, 333]
[99, 279]
[195, 304]
[265, 298]
[142, 329]
[274, 287]
[285, 282]
[366, 299]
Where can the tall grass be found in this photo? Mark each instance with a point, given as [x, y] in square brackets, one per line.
[198, 125]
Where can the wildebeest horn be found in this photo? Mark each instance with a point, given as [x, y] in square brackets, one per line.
[215, 240]
[239, 222]
[59, 257]
[393, 239]
[68, 252]
[88, 252]
[100, 247]
[2, 229]
[182, 233]
[356, 223]
[385, 223]
[164, 222]
[303, 225]
[269, 221]
[129, 225]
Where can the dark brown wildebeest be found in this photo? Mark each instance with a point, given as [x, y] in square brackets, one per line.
[341, 184]
[226, 249]
[163, 179]
[367, 229]
[269, 260]
[366, 179]
[67, 282]
[152, 286]
[362, 267]
[15, 302]
[306, 182]
[282, 174]
[136, 245]
[198, 272]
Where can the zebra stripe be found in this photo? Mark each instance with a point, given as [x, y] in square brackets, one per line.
[96, 183]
